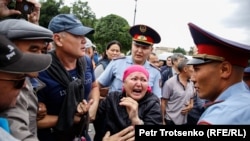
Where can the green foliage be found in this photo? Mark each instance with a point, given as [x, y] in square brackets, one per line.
[49, 9]
[191, 51]
[85, 14]
[82, 10]
[108, 28]
[65, 10]
[112, 27]
[179, 50]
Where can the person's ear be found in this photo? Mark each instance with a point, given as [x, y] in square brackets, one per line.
[226, 69]
[57, 39]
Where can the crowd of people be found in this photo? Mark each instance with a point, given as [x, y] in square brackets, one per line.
[53, 86]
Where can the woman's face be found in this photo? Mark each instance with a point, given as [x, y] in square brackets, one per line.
[113, 52]
[136, 85]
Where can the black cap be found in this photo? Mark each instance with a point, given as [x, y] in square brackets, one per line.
[144, 35]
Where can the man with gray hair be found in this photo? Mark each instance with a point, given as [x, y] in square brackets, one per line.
[177, 95]
[71, 91]
[89, 50]
[169, 72]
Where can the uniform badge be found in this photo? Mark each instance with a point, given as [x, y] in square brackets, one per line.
[143, 28]
[142, 37]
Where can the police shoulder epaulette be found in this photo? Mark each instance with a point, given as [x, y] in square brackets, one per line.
[123, 57]
[155, 67]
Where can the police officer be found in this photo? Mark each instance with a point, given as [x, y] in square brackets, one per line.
[218, 72]
[143, 38]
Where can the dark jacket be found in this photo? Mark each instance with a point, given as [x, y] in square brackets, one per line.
[166, 74]
[104, 63]
[114, 118]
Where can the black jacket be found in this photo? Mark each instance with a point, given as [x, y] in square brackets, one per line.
[113, 117]
[166, 74]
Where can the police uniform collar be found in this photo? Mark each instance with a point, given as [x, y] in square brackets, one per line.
[208, 104]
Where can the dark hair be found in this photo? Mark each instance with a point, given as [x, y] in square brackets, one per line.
[246, 78]
[105, 56]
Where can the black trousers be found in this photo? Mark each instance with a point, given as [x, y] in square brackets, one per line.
[169, 122]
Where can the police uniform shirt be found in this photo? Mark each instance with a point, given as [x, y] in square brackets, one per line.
[113, 74]
[232, 105]
[233, 101]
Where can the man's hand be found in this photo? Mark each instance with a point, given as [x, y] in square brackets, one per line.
[42, 111]
[127, 134]
[5, 11]
[34, 16]
[187, 108]
[83, 107]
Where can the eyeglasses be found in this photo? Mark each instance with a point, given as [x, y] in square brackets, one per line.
[18, 83]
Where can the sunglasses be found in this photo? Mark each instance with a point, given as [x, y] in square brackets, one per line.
[18, 83]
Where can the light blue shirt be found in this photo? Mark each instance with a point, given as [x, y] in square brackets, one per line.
[113, 74]
[232, 107]
[4, 124]
[4, 131]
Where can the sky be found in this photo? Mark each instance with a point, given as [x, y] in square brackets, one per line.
[227, 18]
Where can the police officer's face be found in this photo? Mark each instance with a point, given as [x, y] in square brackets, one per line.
[208, 80]
[140, 53]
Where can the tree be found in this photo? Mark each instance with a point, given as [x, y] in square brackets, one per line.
[179, 50]
[112, 27]
[79, 8]
[191, 51]
[85, 14]
[65, 10]
[49, 9]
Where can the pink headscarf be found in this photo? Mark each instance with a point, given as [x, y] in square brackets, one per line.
[136, 68]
